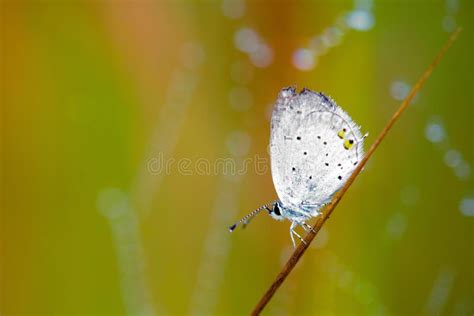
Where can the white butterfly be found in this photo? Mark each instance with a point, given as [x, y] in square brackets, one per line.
[314, 148]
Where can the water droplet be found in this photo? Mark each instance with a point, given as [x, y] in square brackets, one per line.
[440, 291]
[262, 57]
[452, 6]
[399, 90]
[466, 206]
[452, 158]
[449, 23]
[304, 59]
[332, 36]
[246, 40]
[434, 132]
[463, 170]
[360, 20]
[233, 9]
[396, 226]
[317, 46]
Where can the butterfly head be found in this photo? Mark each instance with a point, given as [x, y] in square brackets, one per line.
[276, 211]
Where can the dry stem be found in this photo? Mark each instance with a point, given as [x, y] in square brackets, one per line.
[300, 250]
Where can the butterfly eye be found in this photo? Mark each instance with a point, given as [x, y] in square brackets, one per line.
[348, 144]
[276, 209]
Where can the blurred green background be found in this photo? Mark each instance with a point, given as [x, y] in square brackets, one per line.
[96, 95]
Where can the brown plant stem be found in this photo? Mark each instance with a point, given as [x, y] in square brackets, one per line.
[300, 250]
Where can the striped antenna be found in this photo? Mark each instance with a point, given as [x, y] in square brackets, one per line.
[247, 218]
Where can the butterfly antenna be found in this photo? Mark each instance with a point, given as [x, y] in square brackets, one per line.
[247, 218]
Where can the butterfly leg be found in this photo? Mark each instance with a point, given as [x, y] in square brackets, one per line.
[292, 238]
[307, 227]
[294, 224]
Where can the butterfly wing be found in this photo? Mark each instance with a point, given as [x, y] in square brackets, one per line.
[314, 148]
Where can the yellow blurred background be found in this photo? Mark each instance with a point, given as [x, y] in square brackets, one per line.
[98, 97]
